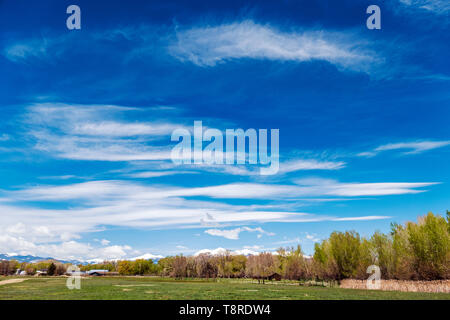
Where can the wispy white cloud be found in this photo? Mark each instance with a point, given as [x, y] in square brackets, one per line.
[113, 190]
[63, 177]
[277, 191]
[104, 242]
[228, 234]
[95, 132]
[296, 240]
[142, 39]
[209, 220]
[301, 164]
[29, 49]
[208, 46]
[122, 205]
[154, 174]
[214, 44]
[234, 233]
[89, 206]
[102, 133]
[286, 167]
[117, 129]
[332, 187]
[313, 237]
[300, 240]
[92, 205]
[435, 6]
[362, 218]
[414, 147]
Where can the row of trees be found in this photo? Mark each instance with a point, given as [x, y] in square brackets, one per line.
[8, 267]
[137, 267]
[409, 252]
[413, 251]
[203, 266]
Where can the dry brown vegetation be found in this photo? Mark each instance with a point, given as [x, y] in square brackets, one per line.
[437, 286]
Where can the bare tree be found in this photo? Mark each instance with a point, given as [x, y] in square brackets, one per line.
[179, 265]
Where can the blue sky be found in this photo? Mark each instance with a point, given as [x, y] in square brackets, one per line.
[87, 117]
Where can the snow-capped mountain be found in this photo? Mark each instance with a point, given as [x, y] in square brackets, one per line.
[32, 259]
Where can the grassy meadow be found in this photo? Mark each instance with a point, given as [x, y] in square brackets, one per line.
[155, 288]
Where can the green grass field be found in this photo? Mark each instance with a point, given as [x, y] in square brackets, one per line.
[140, 288]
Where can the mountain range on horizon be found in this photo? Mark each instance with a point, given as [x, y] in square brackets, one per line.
[34, 259]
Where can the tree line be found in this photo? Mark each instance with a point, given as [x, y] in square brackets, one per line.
[413, 251]
[52, 267]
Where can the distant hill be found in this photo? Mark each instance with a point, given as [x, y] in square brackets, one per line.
[34, 259]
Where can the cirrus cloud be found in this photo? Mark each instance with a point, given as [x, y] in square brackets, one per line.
[415, 147]
[211, 45]
[233, 234]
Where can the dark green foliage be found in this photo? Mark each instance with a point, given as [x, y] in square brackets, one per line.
[51, 269]
[414, 251]
[345, 250]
